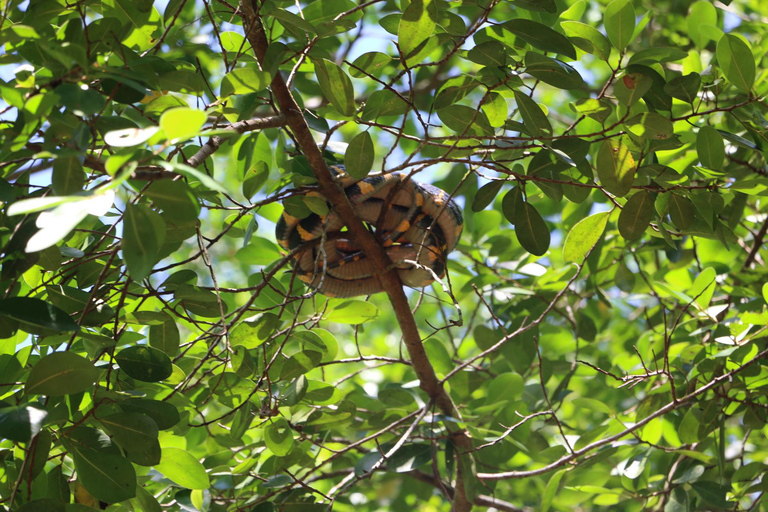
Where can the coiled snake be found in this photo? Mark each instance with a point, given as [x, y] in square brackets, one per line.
[418, 224]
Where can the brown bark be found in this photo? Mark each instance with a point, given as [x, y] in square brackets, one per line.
[254, 32]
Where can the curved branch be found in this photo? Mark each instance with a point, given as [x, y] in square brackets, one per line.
[390, 281]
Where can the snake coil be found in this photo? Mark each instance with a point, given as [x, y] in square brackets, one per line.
[418, 224]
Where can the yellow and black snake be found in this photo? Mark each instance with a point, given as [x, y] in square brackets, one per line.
[418, 224]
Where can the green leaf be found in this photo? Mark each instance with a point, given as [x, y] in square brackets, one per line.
[583, 236]
[541, 37]
[636, 215]
[631, 87]
[550, 491]
[409, 458]
[336, 86]
[383, 103]
[511, 204]
[278, 436]
[657, 55]
[144, 363]
[689, 428]
[650, 126]
[359, 156]
[61, 373]
[495, 108]
[254, 330]
[164, 414]
[710, 147]
[684, 88]
[183, 468]
[535, 120]
[352, 312]
[615, 167]
[704, 287]
[465, 120]
[416, 25]
[619, 19]
[244, 81]
[38, 313]
[765, 292]
[681, 211]
[68, 176]
[701, 15]
[486, 194]
[735, 59]
[713, 493]
[537, 5]
[21, 423]
[488, 53]
[288, 19]
[300, 363]
[137, 436]
[181, 81]
[175, 198]
[109, 478]
[143, 234]
[179, 124]
[369, 64]
[165, 336]
[552, 71]
[588, 38]
[678, 501]
[531, 230]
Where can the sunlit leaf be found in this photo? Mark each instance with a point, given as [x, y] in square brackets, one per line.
[182, 468]
[584, 236]
[735, 58]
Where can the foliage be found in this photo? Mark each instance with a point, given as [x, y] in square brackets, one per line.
[600, 341]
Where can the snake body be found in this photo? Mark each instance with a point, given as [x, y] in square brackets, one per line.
[418, 224]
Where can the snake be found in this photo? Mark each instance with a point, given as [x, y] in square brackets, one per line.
[416, 223]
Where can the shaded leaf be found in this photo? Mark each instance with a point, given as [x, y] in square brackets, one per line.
[541, 37]
[681, 210]
[278, 436]
[531, 230]
[144, 363]
[710, 147]
[61, 373]
[21, 423]
[36, 312]
[535, 120]
[552, 71]
[359, 156]
[486, 194]
[635, 216]
[143, 234]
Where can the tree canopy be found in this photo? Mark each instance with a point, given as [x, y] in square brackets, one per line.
[599, 341]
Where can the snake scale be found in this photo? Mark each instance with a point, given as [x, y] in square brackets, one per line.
[417, 224]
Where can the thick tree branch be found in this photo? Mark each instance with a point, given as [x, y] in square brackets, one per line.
[389, 278]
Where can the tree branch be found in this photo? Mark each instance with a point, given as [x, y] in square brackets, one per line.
[254, 32]
[248, 125]
[675, 404]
